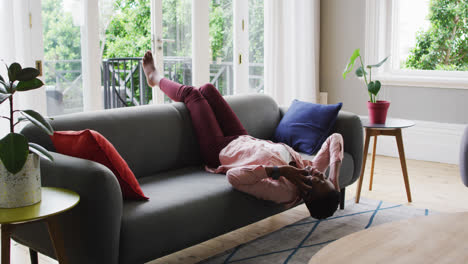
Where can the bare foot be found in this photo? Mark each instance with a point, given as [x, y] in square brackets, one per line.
[152, 74]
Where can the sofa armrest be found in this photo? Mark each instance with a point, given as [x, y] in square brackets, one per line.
[349, 126]
[91, 230]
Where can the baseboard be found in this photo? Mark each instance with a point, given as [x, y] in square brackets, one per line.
[430, 141]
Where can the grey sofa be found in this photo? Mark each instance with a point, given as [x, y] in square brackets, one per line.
[187, 205]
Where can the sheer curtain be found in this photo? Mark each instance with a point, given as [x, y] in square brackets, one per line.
[20, 44]
[292, 38]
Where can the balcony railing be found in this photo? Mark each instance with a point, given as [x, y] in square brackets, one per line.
[124, 83]
[64, 86]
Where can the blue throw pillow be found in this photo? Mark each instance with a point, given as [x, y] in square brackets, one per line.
[305, 126]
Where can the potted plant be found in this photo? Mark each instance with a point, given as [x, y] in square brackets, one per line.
[377, 108]
[20, 180]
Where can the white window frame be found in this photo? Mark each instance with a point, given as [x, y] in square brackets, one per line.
[381, 40]
[200, 43]
[240, 56]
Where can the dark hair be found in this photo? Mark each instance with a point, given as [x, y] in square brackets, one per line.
[323, 206]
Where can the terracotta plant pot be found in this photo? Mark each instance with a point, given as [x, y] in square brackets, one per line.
[378, 111]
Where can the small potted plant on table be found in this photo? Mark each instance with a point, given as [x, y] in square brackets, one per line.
[20, 180]
[377, 108]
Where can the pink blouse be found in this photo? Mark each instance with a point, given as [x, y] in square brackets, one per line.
[245, 158]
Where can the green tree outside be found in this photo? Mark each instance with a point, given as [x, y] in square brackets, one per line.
[62, 54]
[129, 32]
[221, 39]
[126, 32]
[444, 46]
[60, 41]
[256, 31]
[256, 43]
[221, 30]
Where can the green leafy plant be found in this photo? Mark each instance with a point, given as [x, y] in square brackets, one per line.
[373, 87]
[14, 147]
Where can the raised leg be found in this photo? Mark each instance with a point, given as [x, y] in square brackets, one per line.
[57, 239]
[6, 233]
[209, 134]
[364, 158]
[330, 156]
[227, 119]
[372, 164]
[401, 152]
[33, 256]
[204, 120]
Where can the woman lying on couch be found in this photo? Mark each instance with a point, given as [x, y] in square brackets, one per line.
[267, 170]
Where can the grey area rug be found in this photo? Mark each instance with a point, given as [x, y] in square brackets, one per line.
[298, 242]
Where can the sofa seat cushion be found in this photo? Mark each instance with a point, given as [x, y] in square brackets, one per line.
[347, 167]
[186, 206]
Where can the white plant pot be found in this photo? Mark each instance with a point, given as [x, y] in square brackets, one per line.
[23, 188]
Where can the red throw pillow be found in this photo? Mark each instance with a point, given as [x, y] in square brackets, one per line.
[90, 145]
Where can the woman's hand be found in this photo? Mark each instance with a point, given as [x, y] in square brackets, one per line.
[314, 172]
[297, 176]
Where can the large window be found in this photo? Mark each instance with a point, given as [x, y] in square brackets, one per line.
[427, 41]
[221, 45]
[256, 46]
[177, 40]
[412, 22]
[433, 35]
[128, 28]
[62, 56]
[127, 36]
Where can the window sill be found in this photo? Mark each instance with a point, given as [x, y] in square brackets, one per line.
[432, 80]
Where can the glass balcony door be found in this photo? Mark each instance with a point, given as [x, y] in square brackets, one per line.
[172, 41]
[62, 67]
[127, 29]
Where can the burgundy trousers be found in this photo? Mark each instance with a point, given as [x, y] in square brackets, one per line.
[215, 124]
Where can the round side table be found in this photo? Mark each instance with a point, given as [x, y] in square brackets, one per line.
[392, 127]
[54, 202]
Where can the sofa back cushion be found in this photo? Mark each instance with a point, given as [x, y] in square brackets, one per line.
[156, 138]
[149, 138]
[258, 113]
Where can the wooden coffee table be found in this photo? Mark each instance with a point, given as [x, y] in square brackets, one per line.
[428, 239]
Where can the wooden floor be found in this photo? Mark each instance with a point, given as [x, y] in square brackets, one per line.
[436, 186]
